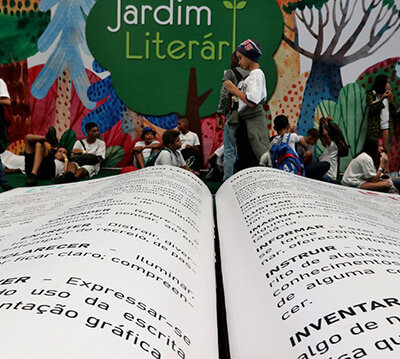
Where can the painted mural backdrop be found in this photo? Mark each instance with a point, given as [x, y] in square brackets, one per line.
[126, 65]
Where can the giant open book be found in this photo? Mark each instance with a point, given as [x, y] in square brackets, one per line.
[123, 267]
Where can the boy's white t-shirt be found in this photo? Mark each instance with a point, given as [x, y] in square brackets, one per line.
[189, 138]
[146, 152]
[59, 167]
[293, 139]
[13, 161]
[219, 152]
[359, 170]
[384, 115]
[167, 157]
[97, 148]
[3, 89]
[330, 155]
[254, 86]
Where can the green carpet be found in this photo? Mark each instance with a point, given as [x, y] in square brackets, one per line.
[19, 180]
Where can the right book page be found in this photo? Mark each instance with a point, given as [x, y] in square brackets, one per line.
[310, 270]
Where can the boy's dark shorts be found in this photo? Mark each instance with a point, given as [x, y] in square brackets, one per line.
[47, 168]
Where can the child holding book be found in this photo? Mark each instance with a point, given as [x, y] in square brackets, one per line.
[252, 134]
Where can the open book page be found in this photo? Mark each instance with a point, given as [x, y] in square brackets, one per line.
[310, 270]
[113, 268]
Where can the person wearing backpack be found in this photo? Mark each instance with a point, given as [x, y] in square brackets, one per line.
[226, 106]
[282, 152]
[170, 155]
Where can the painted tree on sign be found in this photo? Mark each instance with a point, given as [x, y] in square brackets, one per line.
[21, 26]
[65, 64]
[379, 20]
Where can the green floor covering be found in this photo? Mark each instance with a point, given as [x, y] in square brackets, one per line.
[19, 179]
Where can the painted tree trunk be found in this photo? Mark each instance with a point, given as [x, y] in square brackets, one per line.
[63, 103]
[194, 102]
[324, 83]
[16, 77]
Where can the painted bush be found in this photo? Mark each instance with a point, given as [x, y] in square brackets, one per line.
[387, 67]
[21, 26]
[350, 113]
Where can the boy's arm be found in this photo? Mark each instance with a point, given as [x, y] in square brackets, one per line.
[32, 138]
[65, 164]
[5, 101]
[325, 138]
[156, 145]
[303, 143]
[231, 88]
[186, 167]
[77, 150]
[382, 164]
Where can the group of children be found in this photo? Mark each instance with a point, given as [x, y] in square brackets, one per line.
[181, 148]
[246, 142]
[45, 158]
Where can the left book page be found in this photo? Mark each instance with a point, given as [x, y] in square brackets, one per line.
[112, 268]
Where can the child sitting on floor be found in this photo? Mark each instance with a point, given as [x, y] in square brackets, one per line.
[172, 156]
[143, 149]
[285, 134]
[190, 144]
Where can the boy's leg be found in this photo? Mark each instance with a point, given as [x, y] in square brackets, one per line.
[385, 140]
[41, 151]
[139, 159]
[229, 150]
[381, 186]
[81, 172]
[3, 179]
[73, 170]
[317, 170]
[35, 151]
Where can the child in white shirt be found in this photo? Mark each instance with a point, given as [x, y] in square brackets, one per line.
[143, 149]
[171, 155]
[252, 134]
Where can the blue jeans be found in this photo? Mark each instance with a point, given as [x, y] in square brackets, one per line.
[3, 178]
[396, 183]
[317, 170]
[229, 148]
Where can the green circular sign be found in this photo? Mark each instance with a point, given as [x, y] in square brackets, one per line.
[149, 46]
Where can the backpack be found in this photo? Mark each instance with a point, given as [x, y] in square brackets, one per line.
[336, 135]
[283, 157]
[231, 105]
[151, 161]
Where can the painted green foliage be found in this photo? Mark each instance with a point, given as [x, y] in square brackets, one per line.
[114, 155]
[68, 140]
[20, 31]
[302, 4]
[150, 52]
[350, 113]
